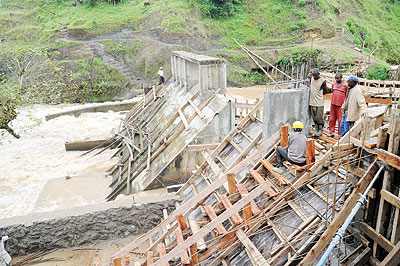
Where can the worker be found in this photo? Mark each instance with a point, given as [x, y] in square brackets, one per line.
[295, 152]
[339, 90]
[5, 258]
[317, 89]
[161, 76]
[354, 106]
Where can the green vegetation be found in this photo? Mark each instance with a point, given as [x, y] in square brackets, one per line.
[280, 30]
[93, 80]
[121, 48]
[378, 71]
[218, 8]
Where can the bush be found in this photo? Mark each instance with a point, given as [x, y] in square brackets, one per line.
[378, 72]
[218, 8]
[301, 3]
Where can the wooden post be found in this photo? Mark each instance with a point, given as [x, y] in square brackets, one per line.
[231, 183]
[310, 154]
[284, 136]
[117, 262]
[182, 223]
[193, 254]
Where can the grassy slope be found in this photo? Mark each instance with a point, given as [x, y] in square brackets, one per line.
[257, 23]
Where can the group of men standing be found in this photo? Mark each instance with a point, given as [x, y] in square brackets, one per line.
[347, 100]
[347, 106]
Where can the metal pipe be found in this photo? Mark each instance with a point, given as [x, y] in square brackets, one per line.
[342, 230]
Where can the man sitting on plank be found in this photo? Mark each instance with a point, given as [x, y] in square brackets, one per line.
[295, 152]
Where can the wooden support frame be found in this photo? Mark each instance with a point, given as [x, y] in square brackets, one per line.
[393, 258]
[195, 107]
[213, 224]
[377, 237]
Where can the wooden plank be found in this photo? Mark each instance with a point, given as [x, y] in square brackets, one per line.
[162, 252]
[380, 101]
[183, 118]
[227, 204]
[194, 226]
[371, 143]
[310, 154]
[362, 259]
[390, 158]
[149, 257]
[254, 254]
[246, 151]
[231, 183]
[284, 136]
[243, 193]
[341, 216]
[236, 146]
[179, 239]
[212, 164]
[202, 147]
[282, 179]
[393, 258]
[195, 107]
[391, 198]
[210, 212]
[256, 175]
[377, 237]
[327, 139]
[182, 223]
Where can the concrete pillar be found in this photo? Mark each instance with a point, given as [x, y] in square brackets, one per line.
[283, 106]
[173, 67]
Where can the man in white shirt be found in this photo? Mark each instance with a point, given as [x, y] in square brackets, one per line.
[5, 258]
[161, 76]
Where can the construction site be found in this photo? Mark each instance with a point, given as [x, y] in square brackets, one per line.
[190, 179]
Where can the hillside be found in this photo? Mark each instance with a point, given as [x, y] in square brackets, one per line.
[132, 39]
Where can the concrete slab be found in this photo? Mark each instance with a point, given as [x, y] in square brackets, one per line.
[62, 193]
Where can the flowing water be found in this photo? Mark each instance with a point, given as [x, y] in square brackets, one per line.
[39, 155]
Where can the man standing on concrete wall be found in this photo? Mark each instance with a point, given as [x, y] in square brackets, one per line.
[5, 258]
[316, 103]
[354, 105]
[161, 76]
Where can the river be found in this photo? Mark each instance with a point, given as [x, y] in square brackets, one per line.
[26, 164]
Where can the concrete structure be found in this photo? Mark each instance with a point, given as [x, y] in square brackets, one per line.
[283, 106]
[193, 109]
[190, 69]
[85, 225]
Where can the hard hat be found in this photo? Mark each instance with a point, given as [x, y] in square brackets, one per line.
[161, 68]
[298, 124]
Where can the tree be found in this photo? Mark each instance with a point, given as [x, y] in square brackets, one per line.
[8, 104]
[21, 60]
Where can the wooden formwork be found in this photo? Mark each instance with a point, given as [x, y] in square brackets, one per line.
[235, 199]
